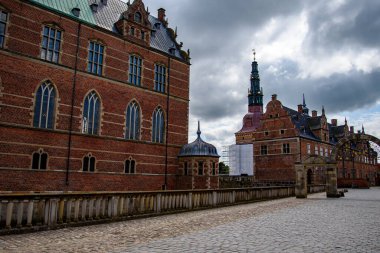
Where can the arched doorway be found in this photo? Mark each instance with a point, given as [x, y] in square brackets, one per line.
[309, 177]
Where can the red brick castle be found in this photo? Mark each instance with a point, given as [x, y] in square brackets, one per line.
[94, 95]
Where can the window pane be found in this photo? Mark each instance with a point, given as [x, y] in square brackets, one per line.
[2, 28]
[127, 163]
[58, 35]
[43, 164]
[85, 163]
[52, 33]
[44, 42]
[92, 46]
[132, 166]
[36, 161]
[46, 31]
[92, 164]
[57, 45]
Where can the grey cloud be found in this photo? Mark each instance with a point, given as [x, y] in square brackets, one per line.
[358, 25]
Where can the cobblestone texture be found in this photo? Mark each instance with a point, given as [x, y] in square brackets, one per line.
[316, 224]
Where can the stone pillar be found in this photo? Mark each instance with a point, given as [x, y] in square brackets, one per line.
[8, 217]
[20, 211]
[301, 183]
[29, 216]
[190, 201]
[331, 183]
[61, 208]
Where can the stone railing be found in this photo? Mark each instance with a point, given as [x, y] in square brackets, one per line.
[41, 211]
[316, 188]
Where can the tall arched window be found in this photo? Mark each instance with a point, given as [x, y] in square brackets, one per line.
[133, 122]
[44, 106]
[158, 126]
[91, 114]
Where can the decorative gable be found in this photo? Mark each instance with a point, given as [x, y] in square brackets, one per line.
[134, 23]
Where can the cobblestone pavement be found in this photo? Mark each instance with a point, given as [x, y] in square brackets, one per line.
[316, 224]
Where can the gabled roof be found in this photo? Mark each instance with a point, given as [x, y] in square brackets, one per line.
[107, 15]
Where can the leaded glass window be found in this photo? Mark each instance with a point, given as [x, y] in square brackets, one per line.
[51, 44]
[88, 163]
[135, 64]
[133, 122]
[39, 160]
[91, 114]
[3, 26]
[158, 126]
[130, 166]
[95, 58]
[44, 106]
[159, 78]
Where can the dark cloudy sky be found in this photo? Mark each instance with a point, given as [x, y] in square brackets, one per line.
[327, 49]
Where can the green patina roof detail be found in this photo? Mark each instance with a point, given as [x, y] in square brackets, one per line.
[65, 7]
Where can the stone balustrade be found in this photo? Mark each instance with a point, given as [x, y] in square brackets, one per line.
[41, 211]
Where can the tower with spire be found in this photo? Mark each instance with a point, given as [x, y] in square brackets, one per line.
[255, 93]
[251, 120]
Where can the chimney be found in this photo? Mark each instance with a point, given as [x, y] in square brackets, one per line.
[75, 11]
[334, 122]
[300, 108]
[274, 97]
[314, 113]
[104, 2]
[161, 15]
[94, 7]
[352, 129]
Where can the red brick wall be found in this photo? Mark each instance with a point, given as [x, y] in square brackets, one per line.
[21, 72]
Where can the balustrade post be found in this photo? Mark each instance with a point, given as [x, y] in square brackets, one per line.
[20, 210]
[115, 203]
[84, 209]
[214, 198]
[29, 216]
[98, 203]
[121, 206]
[76, 210]
[61, 209]
[8, 217]
[158, 203]
[190, 200]
[68, 210]
[91, 209]
[109, 209]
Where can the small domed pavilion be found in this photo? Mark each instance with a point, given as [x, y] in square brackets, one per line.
[198, 164]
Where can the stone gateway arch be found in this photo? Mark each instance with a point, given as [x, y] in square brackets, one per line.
[330, 163]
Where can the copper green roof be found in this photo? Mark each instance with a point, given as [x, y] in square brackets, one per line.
[107, 15]
[66, 6]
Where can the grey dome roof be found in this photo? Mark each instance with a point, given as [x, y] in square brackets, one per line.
[198, 148]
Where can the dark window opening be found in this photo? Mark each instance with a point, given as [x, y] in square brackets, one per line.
[89, 163]
[39, 160]
[200, 168]
[130, 166]
[264, 150]
[185, 169]
[286, 148]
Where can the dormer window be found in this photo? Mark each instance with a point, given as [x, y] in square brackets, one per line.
[157, 25]
[138, 17]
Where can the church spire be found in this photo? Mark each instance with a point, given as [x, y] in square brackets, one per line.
[199, 130]
[323, 110]
[305, 110]
[255, 94]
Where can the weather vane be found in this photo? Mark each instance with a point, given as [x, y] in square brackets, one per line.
[254, 54]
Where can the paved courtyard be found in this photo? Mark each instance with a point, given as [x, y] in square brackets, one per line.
[316, 224]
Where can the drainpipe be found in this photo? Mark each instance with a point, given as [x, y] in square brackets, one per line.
[167, 127]
[72, 105]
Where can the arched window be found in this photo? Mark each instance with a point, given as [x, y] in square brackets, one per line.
[91, 114]
[130, 166]
[133, 122]
[138, 17]
[158, 126]
[88, 163]
[44, 106]
[39, 160]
